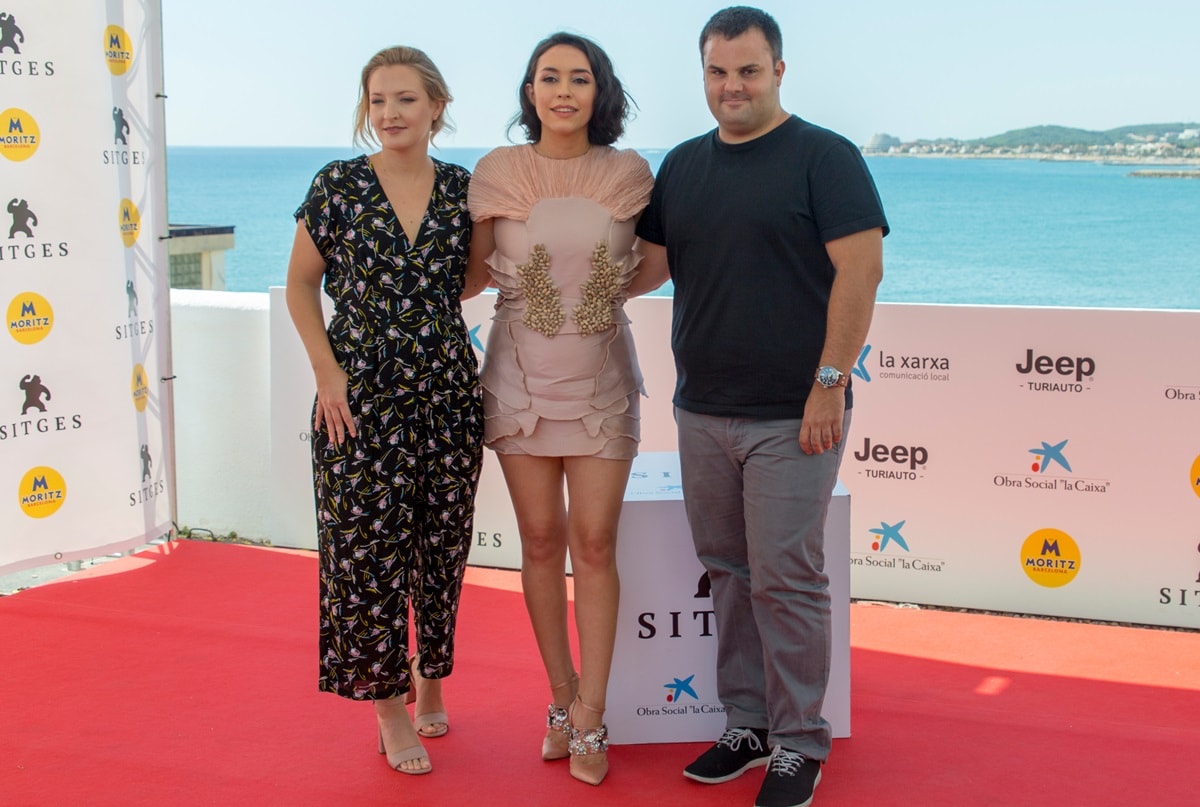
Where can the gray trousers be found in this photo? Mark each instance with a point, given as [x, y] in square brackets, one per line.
[756, 505]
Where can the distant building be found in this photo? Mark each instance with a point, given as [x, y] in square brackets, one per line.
[880, 143]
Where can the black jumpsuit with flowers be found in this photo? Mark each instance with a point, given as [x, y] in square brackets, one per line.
[394, 504]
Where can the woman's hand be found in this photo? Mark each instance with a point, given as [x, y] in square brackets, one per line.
[333, 406]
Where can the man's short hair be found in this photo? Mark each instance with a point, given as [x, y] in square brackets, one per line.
[736, 20]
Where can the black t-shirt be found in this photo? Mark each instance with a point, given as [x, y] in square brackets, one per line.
[745, 227]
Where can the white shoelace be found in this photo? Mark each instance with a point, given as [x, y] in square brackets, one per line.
[785, 762]
[732, 739]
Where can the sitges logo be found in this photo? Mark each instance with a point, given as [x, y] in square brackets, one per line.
[29, 318]
[149, 488]
[118, 50]
[12, 42]
[42, 492]
[694, 621]
[23, 243]
[19, 134]
[883, 461]
[133, 327]
[121, 154]
[1194, 476]
[37, 400]
[1070, 374]
[1050, 557]
[1188, 595]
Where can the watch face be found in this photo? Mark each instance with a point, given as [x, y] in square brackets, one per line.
[829, 376]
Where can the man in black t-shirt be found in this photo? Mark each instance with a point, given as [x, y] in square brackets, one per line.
[772, 230]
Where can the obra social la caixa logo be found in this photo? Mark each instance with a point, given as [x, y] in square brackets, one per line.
[890, 550]
[1050, 469]
[1050, 557]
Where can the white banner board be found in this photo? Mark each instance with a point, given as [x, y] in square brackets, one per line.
[1030, 460]
[85, 413]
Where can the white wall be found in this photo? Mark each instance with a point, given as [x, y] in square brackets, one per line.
[221, 347]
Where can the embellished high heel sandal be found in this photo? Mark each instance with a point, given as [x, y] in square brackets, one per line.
[430, 724]
[588, 747]
[558, 724]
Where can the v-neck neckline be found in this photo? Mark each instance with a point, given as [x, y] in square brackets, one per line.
[410, 239]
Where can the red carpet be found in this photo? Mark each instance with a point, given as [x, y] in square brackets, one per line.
[186, 675]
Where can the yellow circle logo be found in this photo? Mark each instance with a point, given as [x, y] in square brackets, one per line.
[139, 388]
[19, 134]
[1195, 477]
[1050, 557]
[43, 491]
[130, 221]
[118, 49]
[29, 318]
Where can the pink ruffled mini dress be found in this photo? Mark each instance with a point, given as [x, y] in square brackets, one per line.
[560, 373]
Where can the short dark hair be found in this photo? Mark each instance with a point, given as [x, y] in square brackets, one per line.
[736, 20]
[611, 108]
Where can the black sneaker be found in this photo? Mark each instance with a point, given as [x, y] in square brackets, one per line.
[790, 781]
[736, 752]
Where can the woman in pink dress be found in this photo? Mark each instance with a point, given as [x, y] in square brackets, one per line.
[554, 219]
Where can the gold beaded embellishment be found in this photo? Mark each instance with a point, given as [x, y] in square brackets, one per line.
[594, 313]
[543, 306]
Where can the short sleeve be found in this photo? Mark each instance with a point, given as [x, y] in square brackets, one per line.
[318, 212]
[649, 226]
[847, 201]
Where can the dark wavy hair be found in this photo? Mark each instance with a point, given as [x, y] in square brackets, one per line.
[611, 108]
[732, 22]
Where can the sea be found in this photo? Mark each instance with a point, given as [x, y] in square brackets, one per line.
[1017, 232]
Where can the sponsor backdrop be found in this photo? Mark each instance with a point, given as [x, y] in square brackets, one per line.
[1037, 460]
[1032, 460]
[85, 418]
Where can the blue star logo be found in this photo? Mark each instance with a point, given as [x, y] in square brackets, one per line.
[1050, 453]
[475, 339]
[889, 533]
[681, 688]
[860, 367]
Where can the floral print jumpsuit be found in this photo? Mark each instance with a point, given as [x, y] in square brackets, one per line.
[395, 504]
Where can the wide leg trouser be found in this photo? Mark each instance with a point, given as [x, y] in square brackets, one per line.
[756, 505]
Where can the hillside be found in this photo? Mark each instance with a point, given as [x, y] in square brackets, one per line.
[1042, 136]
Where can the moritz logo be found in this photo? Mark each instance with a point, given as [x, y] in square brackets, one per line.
[118, 49]
[19, 134]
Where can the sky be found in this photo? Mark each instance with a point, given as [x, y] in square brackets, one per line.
[270, 73]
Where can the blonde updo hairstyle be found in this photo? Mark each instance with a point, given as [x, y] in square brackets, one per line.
[434, 84]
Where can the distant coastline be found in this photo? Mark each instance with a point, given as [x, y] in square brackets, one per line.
[1159, 144]
[1103, 159]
